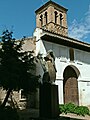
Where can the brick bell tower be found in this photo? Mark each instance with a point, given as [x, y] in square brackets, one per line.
[52, 17]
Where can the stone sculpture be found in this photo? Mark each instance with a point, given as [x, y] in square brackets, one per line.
[48, 65]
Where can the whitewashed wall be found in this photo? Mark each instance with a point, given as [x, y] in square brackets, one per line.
[82, 62]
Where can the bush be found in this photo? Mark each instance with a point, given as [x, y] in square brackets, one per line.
[82, 110]
[72, 108]
[8, 113]
[67, 108]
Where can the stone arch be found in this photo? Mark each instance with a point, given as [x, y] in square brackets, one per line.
[70, 84]
[41, 20]
[46, 18]
[56, 15]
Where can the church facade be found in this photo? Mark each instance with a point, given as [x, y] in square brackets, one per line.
[72, 57]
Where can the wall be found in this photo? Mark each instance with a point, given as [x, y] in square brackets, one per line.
[22, 103]
[62, 60]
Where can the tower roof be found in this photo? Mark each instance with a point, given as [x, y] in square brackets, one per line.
[51, 3]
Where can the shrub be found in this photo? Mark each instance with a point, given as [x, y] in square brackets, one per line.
[67, 108]
[82, 110]
[72, 108]
[62, 108]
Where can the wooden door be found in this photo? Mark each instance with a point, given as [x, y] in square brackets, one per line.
[70, 86]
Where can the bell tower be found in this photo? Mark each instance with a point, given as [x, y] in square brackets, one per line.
[52, 17]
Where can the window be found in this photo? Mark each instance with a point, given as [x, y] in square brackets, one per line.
[46, 17]
[61, 18]
[22, 95]
[41, 19]
[71, 53]
[56, 15]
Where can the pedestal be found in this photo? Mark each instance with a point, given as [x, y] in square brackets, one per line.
[49, 104]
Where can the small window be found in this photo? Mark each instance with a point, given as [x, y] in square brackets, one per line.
[56, 15]
[41, 19]
[46, 17]
[22, 95]
[61, 18]
[71, 53]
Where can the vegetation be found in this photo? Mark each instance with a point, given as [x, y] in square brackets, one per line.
[16, 66]
[72, 108]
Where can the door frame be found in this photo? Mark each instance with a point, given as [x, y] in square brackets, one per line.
[66, 77]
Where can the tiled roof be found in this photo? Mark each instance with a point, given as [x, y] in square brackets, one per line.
[65, 40]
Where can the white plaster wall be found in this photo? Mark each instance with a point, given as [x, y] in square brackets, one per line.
[37, 33]
[82, 56]
[60, 90]
[84, 93]
[62, 60]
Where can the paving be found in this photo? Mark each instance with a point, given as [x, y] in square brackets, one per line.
[34, 115]
[76, 117]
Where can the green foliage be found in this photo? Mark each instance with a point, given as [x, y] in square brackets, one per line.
[16, 66]
[72, 108]
[67, 108]
[8, 113]
[82, 110]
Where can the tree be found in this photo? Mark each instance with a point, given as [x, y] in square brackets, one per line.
[16, 66]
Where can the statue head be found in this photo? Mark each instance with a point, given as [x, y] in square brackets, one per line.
[50, 55]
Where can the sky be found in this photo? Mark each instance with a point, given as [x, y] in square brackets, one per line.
[19, 16]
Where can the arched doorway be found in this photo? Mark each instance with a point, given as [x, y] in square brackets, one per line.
[70, 84]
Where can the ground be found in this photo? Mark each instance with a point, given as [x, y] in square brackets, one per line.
[75, 117]
[34, 115]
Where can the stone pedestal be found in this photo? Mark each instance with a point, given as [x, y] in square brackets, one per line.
[49, 104]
